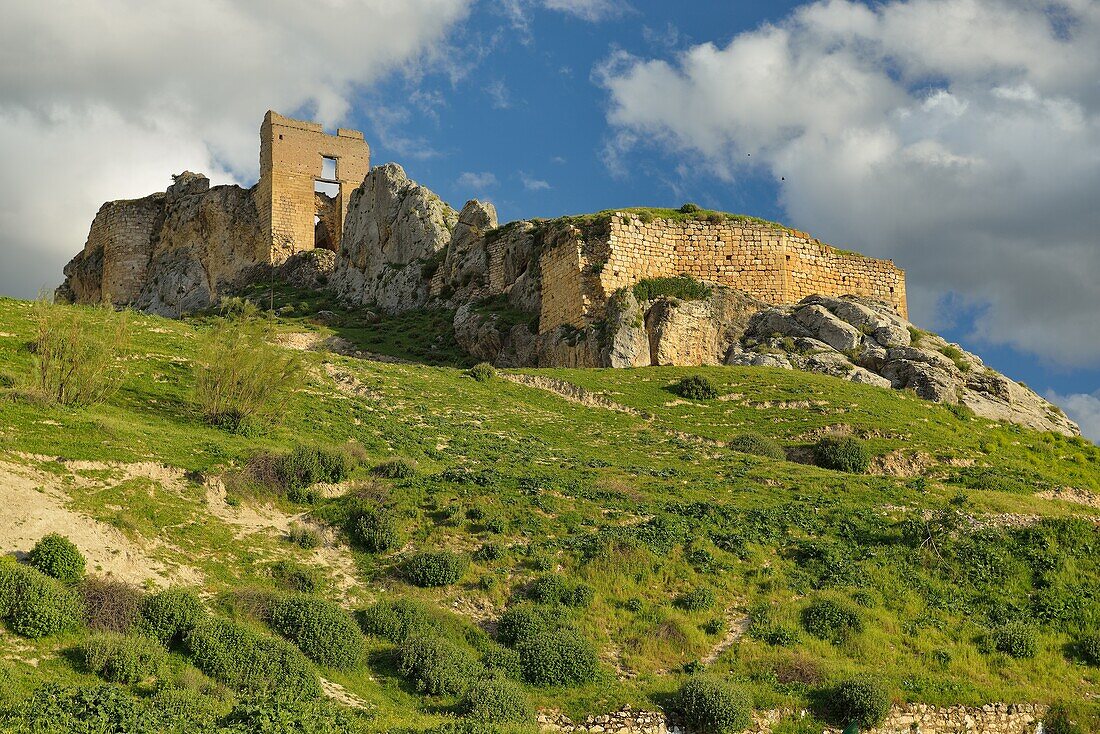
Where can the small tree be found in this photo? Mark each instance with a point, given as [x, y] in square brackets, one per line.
[75, 351]
[239, 376]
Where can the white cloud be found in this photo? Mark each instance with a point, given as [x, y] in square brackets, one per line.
[959, 137]
[477, 182]
[499, 96]
[591, 10]
[533, 184]
[1083, 408]
[102, 100]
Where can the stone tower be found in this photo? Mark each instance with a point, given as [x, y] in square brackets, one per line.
[306, 180]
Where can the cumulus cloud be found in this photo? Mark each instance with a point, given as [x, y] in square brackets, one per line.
[533, 184]
[478, 182]
[102, 100]
[1083, 408]
[959, 137]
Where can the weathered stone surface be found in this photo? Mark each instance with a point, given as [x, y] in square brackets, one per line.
[885, 354]
[395, 231]
[466, 265]
[168, 253]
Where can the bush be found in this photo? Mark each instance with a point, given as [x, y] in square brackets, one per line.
[375, 528]
[557, 658]
[122, 658]
[523, 621]
[690, 208]
[308, 465]
[696, 387]
[394, 469]
[1015, 639]
[397, 620]
[35, 604]
[435, 568]
[110, 606]
[1088, 648]
[169, 615]
[497, 701]
[75, 351]
[711, 705]
[841, 453]
[240, 377]
[56, 556]
[697, 600]
[304, 537]
[553, 589]
[758, 445]
[830, 620]
[862, 700]
[482, 372]
[242, 659]
[299, 577]
[323, 631]
[436, 665]
[683, 287]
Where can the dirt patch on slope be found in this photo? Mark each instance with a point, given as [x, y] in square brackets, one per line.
[572, 393]
[35, 503]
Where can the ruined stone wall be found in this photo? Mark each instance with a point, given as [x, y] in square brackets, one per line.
[772, 263]
[124, 231]
[291, 153]
[911, 718]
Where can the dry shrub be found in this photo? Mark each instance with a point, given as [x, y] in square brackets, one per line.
[75, 350]
[798, 669]
[110, 606]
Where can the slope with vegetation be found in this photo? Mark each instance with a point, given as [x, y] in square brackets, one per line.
[339, 544]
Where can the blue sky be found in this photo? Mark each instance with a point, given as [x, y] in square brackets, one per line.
[960, 138]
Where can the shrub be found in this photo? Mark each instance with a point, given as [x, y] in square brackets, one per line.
[239, 376]
[35, 604]
[394, 469]
[56, 556]
[110, 606]
[557, 658]
[497, 701]
[1088, 648]
[169, 615]
[122, 658]
[758, 445]
[841, 453]
[304, 537]
[690, 208]
[397, 620]
[696, 387]
[242, 659]
[75, 351]
[553, 589]
[323, 631]
[375, 528]
[489, 552]
[523, 621]
[1072, 718]
[712, 705]
[299, 577]
[435, 568]
[682, 286]
[1015, 639]
[830, 620]
[696, 600]
[482, 372]
[307, 465]
[861, 700]
[436, 665]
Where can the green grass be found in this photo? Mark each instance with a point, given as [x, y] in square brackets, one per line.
[643, 506]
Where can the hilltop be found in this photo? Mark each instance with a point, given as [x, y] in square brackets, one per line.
[645, 530]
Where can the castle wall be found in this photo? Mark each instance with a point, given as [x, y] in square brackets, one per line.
[291, 153]
[771, 263]
[125, 232]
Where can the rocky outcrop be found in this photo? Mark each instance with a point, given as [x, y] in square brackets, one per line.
[395, 234]
[865, 341]
[168, 253]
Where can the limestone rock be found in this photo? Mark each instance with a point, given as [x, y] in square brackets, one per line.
[466, 265]
[394, 233]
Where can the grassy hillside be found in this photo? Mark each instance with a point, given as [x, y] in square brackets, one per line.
[626, 520]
